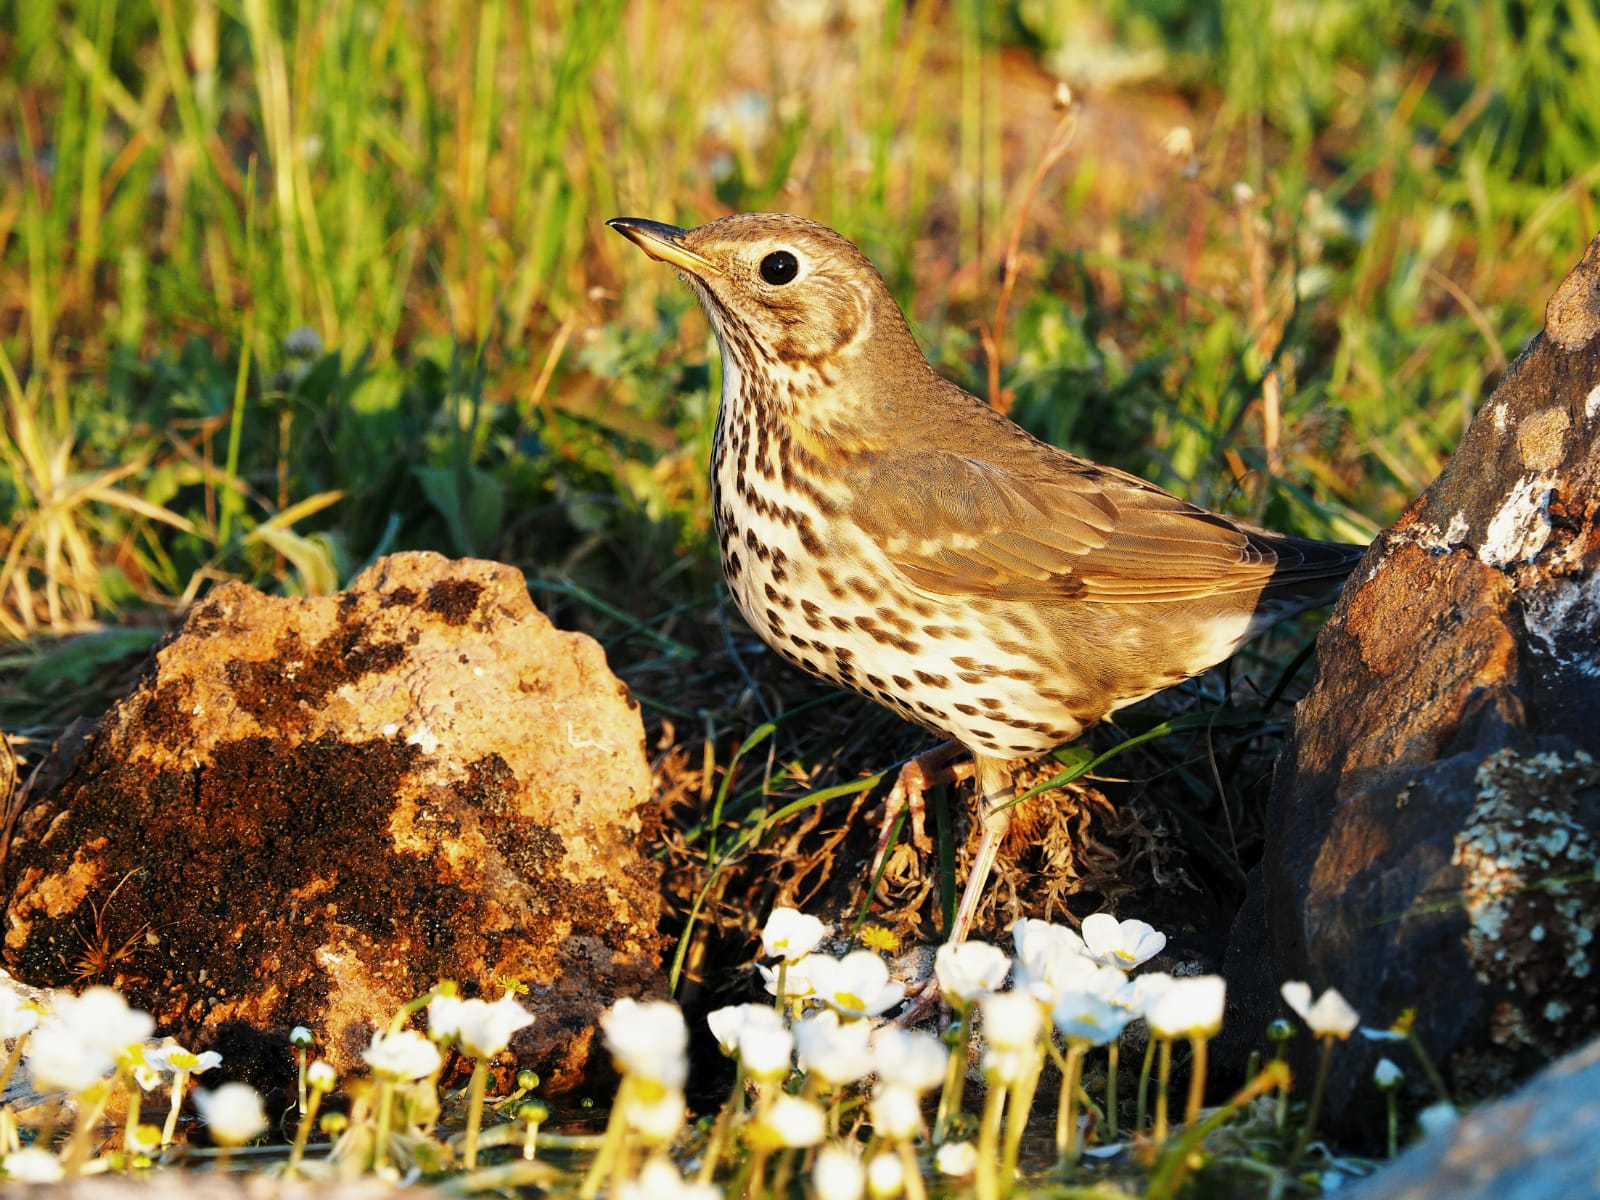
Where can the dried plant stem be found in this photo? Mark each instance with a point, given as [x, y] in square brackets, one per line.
[1054, 150]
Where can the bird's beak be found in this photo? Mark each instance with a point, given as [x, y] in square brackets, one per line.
[663, 243]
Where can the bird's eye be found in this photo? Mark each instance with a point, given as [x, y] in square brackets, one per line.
[779, 267]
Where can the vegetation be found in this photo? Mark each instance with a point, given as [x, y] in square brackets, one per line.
[286, 286]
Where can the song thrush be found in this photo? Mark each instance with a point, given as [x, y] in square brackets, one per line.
[890, 532]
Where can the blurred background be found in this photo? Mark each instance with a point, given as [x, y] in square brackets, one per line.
[288, 285]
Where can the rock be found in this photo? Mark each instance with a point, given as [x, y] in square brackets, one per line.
[1432, 829]
[1541, 1144]
[311, 810]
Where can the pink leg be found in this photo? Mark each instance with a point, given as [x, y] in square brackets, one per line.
[916, 776]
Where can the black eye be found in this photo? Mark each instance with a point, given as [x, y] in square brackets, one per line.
[779, 267]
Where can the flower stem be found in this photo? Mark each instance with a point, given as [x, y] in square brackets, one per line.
[1394, 1121]
[955, 1078]
[1163, 1074]
[908, 1160]
[1428, 1069]
[1197, 1080]
[475, 1090]
[1282, 1114]
[987, 1178]
[302, 1132]
[1144, 1083]
[1315, 1109]
[130, 1128]
[92, 1105]
[180, 1080]
[1113, 1058]
[12, 1059]
[731, 1111]
[611, 1144]
[1067, 1112]
[380, 1139]
[1021, 1104]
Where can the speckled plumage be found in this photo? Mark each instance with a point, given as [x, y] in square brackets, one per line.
[886, 530]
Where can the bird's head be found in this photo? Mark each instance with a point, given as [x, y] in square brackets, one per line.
[790, 300]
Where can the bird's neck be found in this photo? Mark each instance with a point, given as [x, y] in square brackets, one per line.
[852, 402]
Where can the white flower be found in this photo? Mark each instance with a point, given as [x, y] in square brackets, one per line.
[857, 985]
[790, 934]
[655, 1111]
[444, 1016]
[33, 1164]
[792, 1122]
[1086, 1017]
[485, 1028]
[1121, 944]
[1387, 1075]
[886, 1176]
[1179, 142]
[233, 1113]
[649, 1040]
[60, 1060]
[402, 1056]
[838, 1174]
[659, 1180]
[834, 1051]
[1187, 1006]
[1436, 1118]
[103, 1020]
[968, 971]
[1330, 1016]
[956, 1159]
[17, 1015]
[1057, 972]
[728, 1023]
[797, 983]
[896, 1113]
[1011, 1021]
[321, 1076]
[909, 1058]
[174, 1058]
[765, 1050]
[302, 1038]
[1036, 939]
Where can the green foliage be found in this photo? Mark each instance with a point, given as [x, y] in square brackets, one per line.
[492, 375]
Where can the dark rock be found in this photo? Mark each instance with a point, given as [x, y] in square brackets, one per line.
[1541, 1144]
[1435, 816]
[312, 810]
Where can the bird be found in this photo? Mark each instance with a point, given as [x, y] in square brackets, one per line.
[887, 530]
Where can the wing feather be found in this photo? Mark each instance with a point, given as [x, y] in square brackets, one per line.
[1065, 530]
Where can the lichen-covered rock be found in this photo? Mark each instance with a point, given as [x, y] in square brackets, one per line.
[1433, 820]
[311, 810]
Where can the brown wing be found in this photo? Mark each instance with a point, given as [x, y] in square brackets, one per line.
[1069, 531]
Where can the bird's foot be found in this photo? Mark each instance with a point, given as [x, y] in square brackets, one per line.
[921, 1002]
[911, 784]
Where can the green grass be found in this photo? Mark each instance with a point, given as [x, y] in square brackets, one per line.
[192, 181]
[188, 186]
[285, 286]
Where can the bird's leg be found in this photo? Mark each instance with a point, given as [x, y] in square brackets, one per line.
[916, 776]
[995, 794]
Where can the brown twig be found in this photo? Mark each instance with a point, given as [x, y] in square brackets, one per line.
[1054, 150]
[1271, 390]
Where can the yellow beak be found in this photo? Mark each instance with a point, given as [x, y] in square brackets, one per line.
[663, 243]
